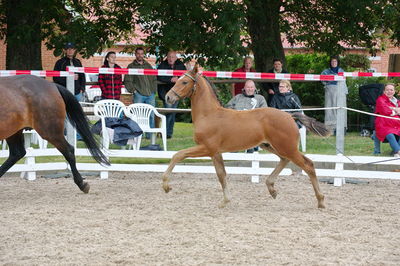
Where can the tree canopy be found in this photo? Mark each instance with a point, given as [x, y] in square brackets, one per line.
[221, 31]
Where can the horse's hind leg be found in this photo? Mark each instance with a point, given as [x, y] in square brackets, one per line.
[17, 151]
[68, 151]
[221, 173]
[308, 166]
[270, 181]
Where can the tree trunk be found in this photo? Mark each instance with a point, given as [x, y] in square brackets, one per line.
[263, 20]
[23, 35]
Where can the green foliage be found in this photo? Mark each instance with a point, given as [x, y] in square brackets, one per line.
[354, 62]
[202, 29]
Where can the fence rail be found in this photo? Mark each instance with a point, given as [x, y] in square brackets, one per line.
[30, 167]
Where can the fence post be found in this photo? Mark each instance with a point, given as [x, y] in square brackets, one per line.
[339, 181]
[29, 160]
[340, 117]
[71, 133]
[255, 164]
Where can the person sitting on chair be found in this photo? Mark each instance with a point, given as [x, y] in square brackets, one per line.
[386, 128]
[247, 100]
[286, 98]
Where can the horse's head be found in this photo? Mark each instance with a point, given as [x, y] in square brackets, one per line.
[184, 87]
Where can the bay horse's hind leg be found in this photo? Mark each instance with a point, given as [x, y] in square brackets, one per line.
[221, 173]
[270, 181]
[308, 166]
[17, 151]
[68, 151]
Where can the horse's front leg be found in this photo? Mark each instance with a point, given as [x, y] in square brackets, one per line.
[221, 173]
[197, 151]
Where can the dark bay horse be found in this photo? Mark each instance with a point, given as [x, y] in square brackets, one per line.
[28, 102]
[218, 130]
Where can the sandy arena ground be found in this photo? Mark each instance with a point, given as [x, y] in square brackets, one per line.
[129, 220]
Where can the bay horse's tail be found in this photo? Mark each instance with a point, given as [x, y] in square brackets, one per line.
[79, 121]
[312, 124]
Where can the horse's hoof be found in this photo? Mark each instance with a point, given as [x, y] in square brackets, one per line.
[167, 188]
[321, 205]
[223, 204]
[273, 194]
[86, 187]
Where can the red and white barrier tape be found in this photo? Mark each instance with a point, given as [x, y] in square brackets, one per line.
[39, 73]
[369, 74]
[217, 74]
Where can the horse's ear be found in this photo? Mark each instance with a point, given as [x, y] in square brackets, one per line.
[196, 68]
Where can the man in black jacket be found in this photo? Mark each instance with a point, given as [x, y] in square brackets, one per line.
[70, 60]
[272, 88]
[172, 62]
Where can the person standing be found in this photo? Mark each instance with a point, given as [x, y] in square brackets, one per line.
[110, 84]
[247, 67]
[143, 87]
[172, 62]
[70, 60]
[272, 88]
[332, 90]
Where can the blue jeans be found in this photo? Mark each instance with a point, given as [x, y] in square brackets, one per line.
[151, 99]
[377, 143]
[394, 143]
[170, 118]
[79, 96]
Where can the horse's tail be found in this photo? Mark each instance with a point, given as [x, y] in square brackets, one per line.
[312, 124]
[79, 121]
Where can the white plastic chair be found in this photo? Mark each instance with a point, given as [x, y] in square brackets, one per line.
[140, 113]
[110, 108]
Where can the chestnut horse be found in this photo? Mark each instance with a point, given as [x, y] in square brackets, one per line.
[218, 130]
[30, 102]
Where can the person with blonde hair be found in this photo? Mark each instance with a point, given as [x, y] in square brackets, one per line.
[286, 98]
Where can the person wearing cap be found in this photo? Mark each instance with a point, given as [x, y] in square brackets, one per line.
[70, 60]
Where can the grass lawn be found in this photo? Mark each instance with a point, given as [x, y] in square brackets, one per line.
[183, 138]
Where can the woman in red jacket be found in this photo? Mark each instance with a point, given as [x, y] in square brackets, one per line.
[110, 84]
[387, 128]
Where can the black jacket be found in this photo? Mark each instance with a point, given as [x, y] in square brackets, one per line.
[164, 88]
[288, 100]
[61, 65]
[274, 85]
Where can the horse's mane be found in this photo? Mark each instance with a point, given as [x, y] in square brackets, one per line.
[213, 89]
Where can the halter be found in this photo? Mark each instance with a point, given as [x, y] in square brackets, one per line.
[193, 88]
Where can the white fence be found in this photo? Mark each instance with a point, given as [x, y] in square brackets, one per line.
[339, 162]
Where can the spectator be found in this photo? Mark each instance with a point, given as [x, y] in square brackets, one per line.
[142, 87]
[386, 128]
[70, 60]
[110, 84]
[272, 88]
[286, 98]
[247, 67]
[332, 90]
[247, 100]
[172, 62]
